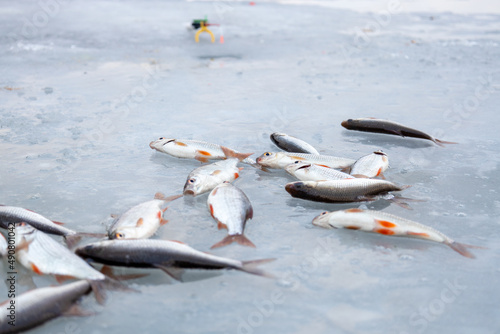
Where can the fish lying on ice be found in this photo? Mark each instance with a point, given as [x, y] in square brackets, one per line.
[35, 307]
[41, 254]
[279, 160]
[231, 208]
[292, 144]
[193, 149]
[142, 220]
[388, 127]
[346, 190]
[311, 172]
[387, 224]
[207, 177]
[371, 165]
[170, 256]
[15, 215]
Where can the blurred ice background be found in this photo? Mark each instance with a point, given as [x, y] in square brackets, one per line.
[86, 85]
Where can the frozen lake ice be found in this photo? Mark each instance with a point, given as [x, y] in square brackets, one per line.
[85, 86]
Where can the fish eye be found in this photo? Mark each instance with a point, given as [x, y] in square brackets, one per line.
[161, 138]
[192, 180]
[349, 120]
[22, 224]
[267, 154]
[297, 162]
[119, 235]
[324, 213]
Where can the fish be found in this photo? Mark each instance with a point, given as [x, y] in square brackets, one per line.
[311, 172]
[231, 208]
[170, 256]
[207, 177]
[377, 125]
[142, 220]
[279, 160]
[292, 144]
[371, 165]
[3, 246]
[347, 190]
[193, 149]
[41, 254]
[387, 224]
[14, 215]
[37, 306]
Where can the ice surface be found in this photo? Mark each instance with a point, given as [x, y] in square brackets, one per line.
[86, 85]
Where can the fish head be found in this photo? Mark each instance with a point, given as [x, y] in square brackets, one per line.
[275, 137]
[299, 187]
[24, 232]
[322, 220]
[159, 143]
[197, 184]
[268, 159]
[348, 123]
[296, 166]
[124, 232]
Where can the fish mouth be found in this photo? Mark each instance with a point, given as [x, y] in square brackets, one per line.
[189, 192]
[258, 160]
[152, 145]
[345, 124]
[292, 188]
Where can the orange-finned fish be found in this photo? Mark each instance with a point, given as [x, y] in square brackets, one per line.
[280, 160]
[387, 224]
[192, 149]
[231, 208]
[371, 165]
[207, 177]
[311, 172]
[142, 220]
[388, 127]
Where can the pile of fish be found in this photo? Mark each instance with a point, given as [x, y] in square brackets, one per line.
[127, 242]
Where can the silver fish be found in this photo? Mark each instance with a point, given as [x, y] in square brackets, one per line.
[386, 224]
[38, 306]
[231, 208]
[192, 149]
[207, 177]
[170, 256]
[280, 160]
[311, 172]
[142, 220]
[376, 125]
[371, 165]
[43, 255]
[347, 190]
[292, 144]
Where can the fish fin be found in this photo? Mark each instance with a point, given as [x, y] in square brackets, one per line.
[162, 197]
[98, 290]
[163, 222]
[240, 168]
[473, 246]
[179, 242]
[174, 272]
[35, 268]
[201, 159]
[251, 267]
[249, 213]
[221, 226]
[322, 165]
[262, 168]
[360, 176]
[441, 142]
[72, 240]
[139, 223]
[23, 245]
[216, 172]
[229, 239]
[77, 311]
[346, 170]
[63, 278]
[354, 210]
[229, 153]
[399, 201]
[418, 234]
[462, 249]
[179, 143]
[108, 271]
[381, 175]
[386, 223]
[57, 223]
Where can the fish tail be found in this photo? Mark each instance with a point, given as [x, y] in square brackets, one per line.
[461, 248]
[251, 267]
[72, 240]
[441, 142]
[229, 153]
[229, 239]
